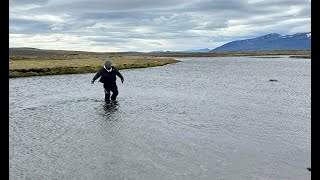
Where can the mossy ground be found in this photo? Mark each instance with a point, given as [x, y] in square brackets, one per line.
[38, 66]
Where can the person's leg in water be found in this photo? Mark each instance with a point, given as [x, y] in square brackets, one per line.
[114, 93]
[106, 93]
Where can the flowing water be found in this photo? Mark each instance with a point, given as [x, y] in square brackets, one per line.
[201, 118]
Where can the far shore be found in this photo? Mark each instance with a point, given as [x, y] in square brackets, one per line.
[57, 62]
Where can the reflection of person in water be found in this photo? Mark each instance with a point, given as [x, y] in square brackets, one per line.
[109, 111]
[110, 108]
[108, 77]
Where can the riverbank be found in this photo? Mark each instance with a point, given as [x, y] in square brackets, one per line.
[24, 62]
[26, 66]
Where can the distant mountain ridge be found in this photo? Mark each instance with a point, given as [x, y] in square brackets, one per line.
[198, 50]
[269, 42]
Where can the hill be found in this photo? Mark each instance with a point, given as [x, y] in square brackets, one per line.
[269, 42]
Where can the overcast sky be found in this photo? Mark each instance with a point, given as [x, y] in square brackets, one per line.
[149, 25]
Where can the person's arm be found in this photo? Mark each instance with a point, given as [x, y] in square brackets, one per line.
[98, 74]
[119, 74]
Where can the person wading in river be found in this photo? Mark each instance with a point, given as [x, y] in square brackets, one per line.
[108, 77]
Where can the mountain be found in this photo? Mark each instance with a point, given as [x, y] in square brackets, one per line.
[198, 50]
[28, 51]
[269, 42]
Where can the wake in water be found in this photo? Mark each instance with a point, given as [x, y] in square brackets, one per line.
[109, 107]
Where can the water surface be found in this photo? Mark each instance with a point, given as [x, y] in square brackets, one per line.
[202, 118]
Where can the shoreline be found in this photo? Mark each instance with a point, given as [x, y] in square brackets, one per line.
[34, 66]
[69, 62]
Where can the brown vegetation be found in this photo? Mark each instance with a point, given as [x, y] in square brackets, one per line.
[36, 62]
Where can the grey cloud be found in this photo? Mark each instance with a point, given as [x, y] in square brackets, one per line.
[275, 6]
[28, 26]
[102, 39]
[242, 9]
[156, 43]
[24, 2]
[114, 15]
[117, 22]
[101, 44]
[305, 12]
[282, 3]
[217, 5]
[109, 5]
[156, 24]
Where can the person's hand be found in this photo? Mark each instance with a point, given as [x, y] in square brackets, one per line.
[92, 81]
[122, 80]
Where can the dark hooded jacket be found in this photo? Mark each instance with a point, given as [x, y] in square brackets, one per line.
[108, 78]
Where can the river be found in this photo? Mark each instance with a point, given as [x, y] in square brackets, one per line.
[201, 118]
